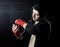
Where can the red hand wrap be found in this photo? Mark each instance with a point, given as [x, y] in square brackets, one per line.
[19, 22]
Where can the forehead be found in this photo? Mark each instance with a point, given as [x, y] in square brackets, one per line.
[35, 11]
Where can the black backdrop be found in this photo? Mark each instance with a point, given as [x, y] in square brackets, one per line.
[10, 10]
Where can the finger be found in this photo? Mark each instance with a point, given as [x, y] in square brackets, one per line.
[14, 25]
[14, 29]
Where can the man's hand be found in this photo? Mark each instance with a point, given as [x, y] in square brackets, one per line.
[15, 30]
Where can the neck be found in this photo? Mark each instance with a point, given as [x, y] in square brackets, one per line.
[36, 22]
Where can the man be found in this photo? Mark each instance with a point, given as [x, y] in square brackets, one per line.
[36, 31]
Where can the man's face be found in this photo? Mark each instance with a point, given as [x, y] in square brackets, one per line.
[35, 15]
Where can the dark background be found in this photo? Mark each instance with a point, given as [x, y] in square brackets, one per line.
[10, 10]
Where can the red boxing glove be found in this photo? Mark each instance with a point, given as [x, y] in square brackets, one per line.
[19, 22]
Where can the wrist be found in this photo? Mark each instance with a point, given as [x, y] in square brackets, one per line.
[24, 26]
